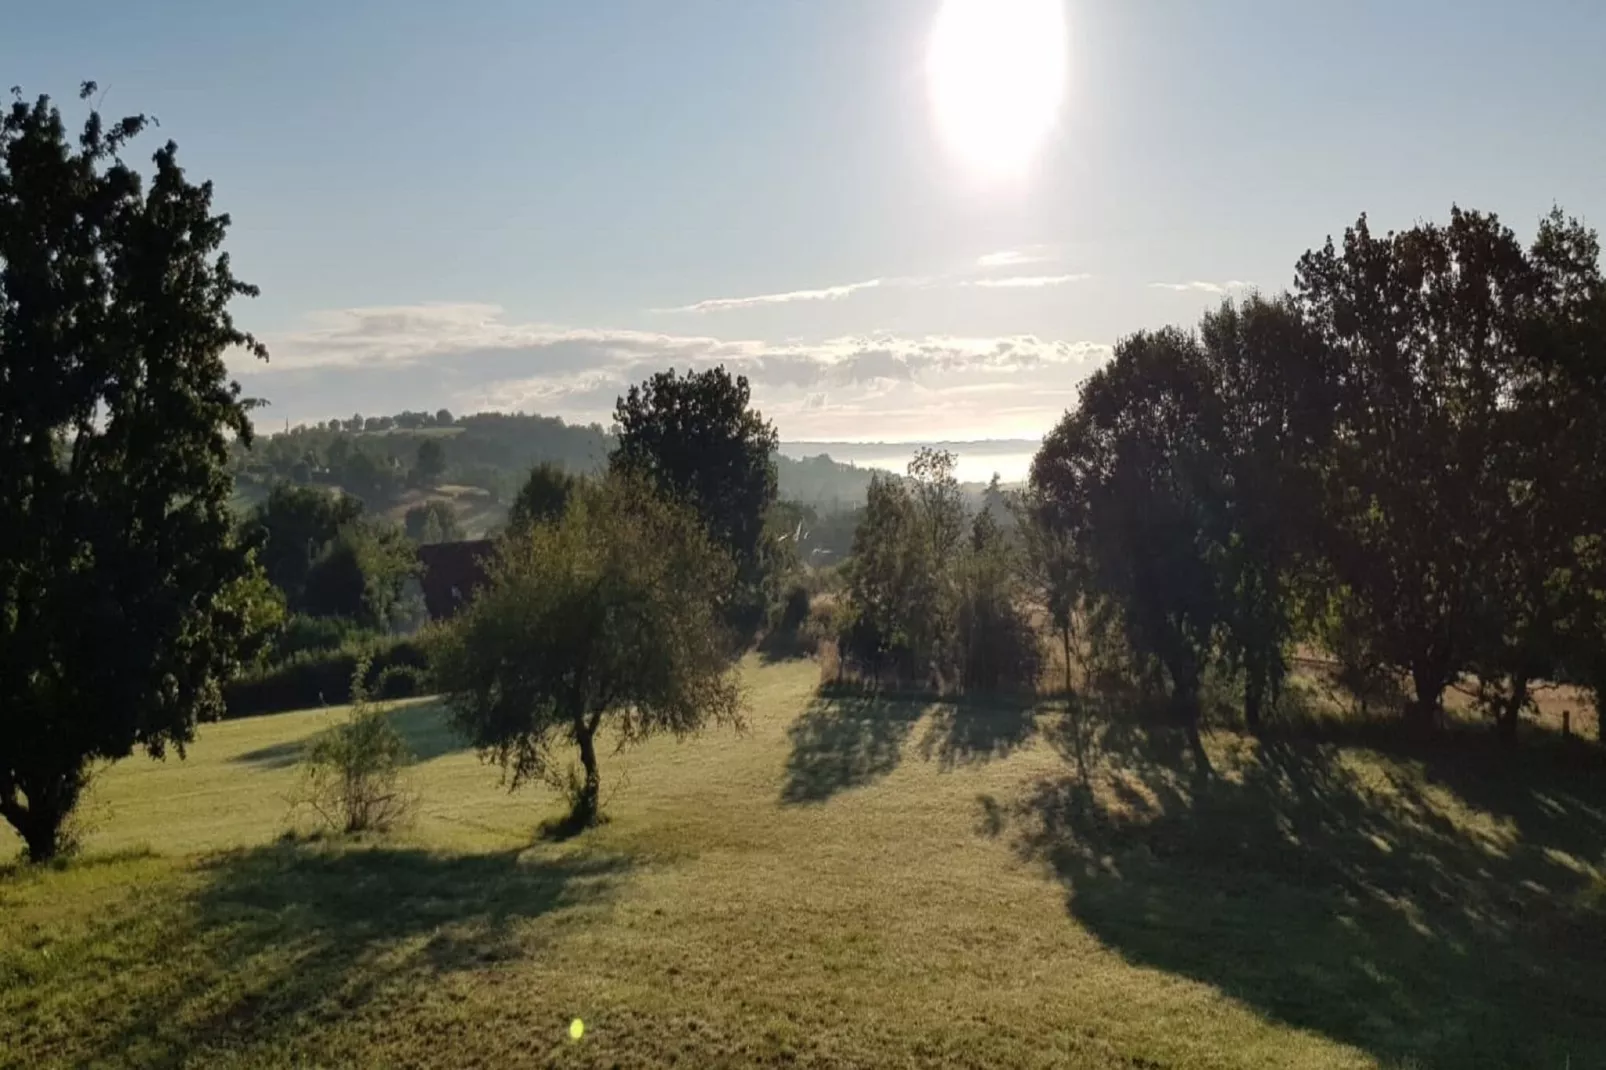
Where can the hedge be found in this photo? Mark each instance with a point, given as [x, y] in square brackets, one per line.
[323, 677]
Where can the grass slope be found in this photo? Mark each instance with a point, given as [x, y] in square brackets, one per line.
[851, 883]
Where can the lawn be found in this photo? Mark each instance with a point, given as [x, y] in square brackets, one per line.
[849, 883]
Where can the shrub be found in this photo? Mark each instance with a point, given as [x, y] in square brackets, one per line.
[303, 632]
[323, 677]
[352, 774]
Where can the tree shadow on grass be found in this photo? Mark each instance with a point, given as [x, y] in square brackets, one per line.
[282, 940]
[1428, 918]
[848, 737]
[845, 740]
[424, 727]
[974, 730]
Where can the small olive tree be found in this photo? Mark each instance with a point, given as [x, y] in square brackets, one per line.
[353, 773]
[607, 610]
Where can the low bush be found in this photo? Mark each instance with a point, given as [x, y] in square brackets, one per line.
[303, 632]
[323, 677]
[352, 774]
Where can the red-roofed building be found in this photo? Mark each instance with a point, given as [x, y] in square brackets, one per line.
[453, 571]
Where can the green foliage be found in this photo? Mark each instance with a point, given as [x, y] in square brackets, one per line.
[1051, 569]
[432, 522]
[303, 632]
[430, 463]
[542, 498]
[1134, 471]
[352, 774]
[608, 612]
[697, 439]
[1466, 467]
[999, 651]
[1403, 462]
[926, 607]
[124, 597]
[360, 576]
[322, 676]
[292, 527]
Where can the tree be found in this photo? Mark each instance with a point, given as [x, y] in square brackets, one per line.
[360, 575]
[998, 647]
[119, 571]
[1051, 568]
[443, 418]
[542, 498]
[1449, 338]
[1272, 386]
[697, 439]
[292, 528]
[430, 464]
[432, 522]
[1136, 464]
[605, 613]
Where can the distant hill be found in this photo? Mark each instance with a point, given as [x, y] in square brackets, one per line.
[486, 456]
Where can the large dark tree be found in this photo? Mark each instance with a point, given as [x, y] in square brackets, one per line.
[1136, 472]
[294, 527]
[118, 573]
[697, 438]
[1272, 381]
[1452, 418]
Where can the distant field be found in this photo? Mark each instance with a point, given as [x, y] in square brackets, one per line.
[852, 883]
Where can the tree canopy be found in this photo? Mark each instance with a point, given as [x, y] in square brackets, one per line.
[697, 439]
[604, 614]
[122, 598]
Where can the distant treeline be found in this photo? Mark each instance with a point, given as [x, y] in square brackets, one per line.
[374, 457]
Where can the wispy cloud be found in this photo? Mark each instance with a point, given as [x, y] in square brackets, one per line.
[472, 357]
[824, 293]
[1029, 282]
[1198, 286]
[1032, 254]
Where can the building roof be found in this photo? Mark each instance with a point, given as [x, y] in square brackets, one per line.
[453, 571]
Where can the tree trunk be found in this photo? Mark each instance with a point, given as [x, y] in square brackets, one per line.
[1065, 640]
[585, 804]
[40, 822]
[1424, 711]
[1254, 695]
[1511, 711]
[1185, 705]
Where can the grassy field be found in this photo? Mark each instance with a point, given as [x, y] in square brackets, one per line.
[850, 883]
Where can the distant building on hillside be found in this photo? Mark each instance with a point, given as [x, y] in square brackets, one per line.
[453, 571]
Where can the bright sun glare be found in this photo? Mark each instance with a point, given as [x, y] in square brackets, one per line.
[996, 70]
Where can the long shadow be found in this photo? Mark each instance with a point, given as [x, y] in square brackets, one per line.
[424, 727]
[1340, 895]
[288, 936]
[846, 740]
[974, 730]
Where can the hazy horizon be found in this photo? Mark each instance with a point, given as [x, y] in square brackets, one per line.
[882, 225]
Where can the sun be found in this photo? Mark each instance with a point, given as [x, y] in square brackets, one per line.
[996, 72]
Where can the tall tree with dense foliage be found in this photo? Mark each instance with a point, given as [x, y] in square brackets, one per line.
[293, 526]
[542, 498]
[1272, 390]
[1051, 569]
[429, 464]
[605, 614]
[1448, 340]
[122, 598]
[1136, 465]
[697, 438]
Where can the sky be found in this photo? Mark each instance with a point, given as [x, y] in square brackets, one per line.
[525, 205]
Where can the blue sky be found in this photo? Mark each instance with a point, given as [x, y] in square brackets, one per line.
[525, 205]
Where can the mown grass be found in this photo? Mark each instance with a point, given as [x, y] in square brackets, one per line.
[853, 882]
